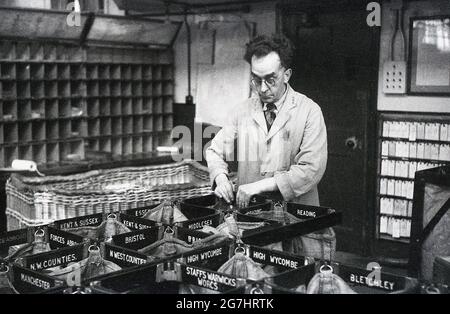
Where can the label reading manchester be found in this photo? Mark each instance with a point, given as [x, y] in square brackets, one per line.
[84, 221]
[54, 258]
[207, 279]
[58, 238]
[277, 259]
[124, 257]
[28, 281]
[206, 255]
[13, 237]
[136, 223]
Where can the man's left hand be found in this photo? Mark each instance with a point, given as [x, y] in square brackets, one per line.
[245, 193]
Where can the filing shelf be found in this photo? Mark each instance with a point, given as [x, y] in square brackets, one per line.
[399, 167]
[58, 99]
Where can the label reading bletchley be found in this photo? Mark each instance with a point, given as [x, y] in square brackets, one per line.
[370, 279]
[59, 238]
[13, 238]
[124, 257]
[84, 221]
[207, 279]
[27, 281]
[278, 259]
[136, 223]
[54, 258]
[205, 255]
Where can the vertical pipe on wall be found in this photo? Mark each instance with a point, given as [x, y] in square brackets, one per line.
[189, 98]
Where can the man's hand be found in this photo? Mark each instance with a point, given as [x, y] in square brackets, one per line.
[224, 188]
[245, 193]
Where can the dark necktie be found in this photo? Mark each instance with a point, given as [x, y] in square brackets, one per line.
[270, 115]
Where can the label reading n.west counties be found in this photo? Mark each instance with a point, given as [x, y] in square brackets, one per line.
[124, 257]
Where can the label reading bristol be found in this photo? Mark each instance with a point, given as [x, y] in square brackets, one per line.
[136, 239]
[208, 279]
[84, 221]
[13, 237]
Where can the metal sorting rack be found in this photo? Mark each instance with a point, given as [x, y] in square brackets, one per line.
[167, 273]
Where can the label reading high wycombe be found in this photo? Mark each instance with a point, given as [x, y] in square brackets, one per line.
[194, 224]
[370, 279]
[207, 255]
[27, 281]
[124, 257]
[84, 221]
[260, 255]
[207, 279]
[306, 212]
[136, 239]
[59, 238]
[13, 238]
[54, 258]
[136, 223]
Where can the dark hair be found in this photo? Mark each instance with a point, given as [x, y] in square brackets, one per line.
[262, 45]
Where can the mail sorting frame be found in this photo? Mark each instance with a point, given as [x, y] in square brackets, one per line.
[385, 134]
[41, 83]
[439, 176]
[360, 280]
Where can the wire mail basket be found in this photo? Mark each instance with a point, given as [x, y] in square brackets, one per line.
[35, 201]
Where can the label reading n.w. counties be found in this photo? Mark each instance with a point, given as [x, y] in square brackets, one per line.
[54, 258]
[77, 222]
[59, 238]
[207, 279]
[136, 239]
[268, 257]
[136, 223]
[13, 238]
[124, 257]
[27, 281]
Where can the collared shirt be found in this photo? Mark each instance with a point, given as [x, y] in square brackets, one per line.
[278, 104]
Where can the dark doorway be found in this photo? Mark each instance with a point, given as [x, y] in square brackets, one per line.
[336, 65]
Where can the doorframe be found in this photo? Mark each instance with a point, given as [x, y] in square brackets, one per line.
[371, 128]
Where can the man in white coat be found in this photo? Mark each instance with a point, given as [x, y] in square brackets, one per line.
[281, 134]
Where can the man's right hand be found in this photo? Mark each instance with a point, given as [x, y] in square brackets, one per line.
[224, 188]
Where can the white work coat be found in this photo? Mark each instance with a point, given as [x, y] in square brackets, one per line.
[294, 151]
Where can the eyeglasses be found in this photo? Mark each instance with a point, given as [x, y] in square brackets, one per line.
[270, 82]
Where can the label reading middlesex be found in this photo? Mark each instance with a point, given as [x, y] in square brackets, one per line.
[91, 220]
[210, 280]
[275, 259]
